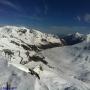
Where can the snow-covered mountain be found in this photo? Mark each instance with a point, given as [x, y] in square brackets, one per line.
[29, 36]
[72, 39]
[20, 43]
[32, 60]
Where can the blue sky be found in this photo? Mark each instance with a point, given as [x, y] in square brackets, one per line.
[53, 16]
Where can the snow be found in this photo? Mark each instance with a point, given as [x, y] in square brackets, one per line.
[33, 37]
[67, 68]
[72, 63]
[78, 35]
[16, 77]
[18, 40]
[88, 38]
[19, 66]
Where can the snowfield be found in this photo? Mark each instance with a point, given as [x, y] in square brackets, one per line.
[32, 60]
[73, 62]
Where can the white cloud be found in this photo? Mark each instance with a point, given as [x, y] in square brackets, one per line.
[45, 7]
[78, 18]
[87, 17]
[84, 18]
[10, 4]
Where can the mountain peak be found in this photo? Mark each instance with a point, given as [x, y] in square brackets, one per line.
[77, 34]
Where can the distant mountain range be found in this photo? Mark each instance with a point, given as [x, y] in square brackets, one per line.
[72, 39]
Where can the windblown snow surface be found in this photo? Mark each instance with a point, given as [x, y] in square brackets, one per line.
[72, 65]
[61, 68]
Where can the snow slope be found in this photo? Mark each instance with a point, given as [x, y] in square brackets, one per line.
[14, 77]
[73, 62]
